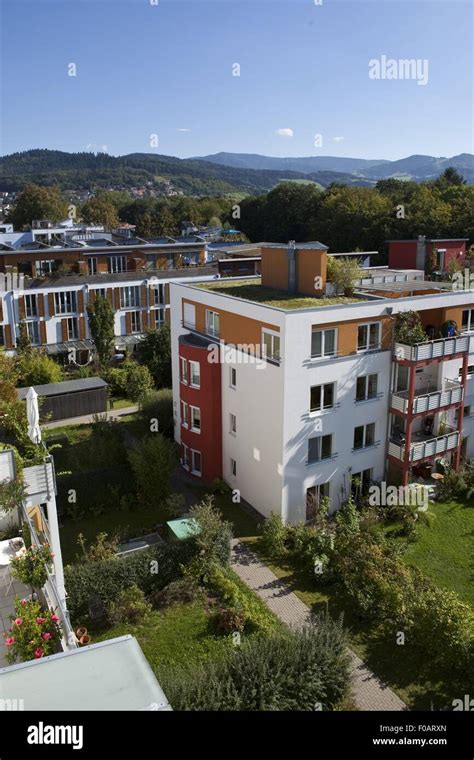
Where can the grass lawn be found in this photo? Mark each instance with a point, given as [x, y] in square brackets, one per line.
[402, 668]
[444, 549]
[252, 290]
[120, 403]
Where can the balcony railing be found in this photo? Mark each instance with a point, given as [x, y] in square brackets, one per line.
[432, 349]
[425, 449]
[425, 401]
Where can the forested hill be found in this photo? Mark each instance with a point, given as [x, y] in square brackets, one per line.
[85, 171]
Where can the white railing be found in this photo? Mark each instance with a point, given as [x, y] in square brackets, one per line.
[425, 449]
[427, 402]
[432, 349]
[40, 481]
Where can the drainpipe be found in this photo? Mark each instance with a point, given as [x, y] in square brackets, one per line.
[292, 267]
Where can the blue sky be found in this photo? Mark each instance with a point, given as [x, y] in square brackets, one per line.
[166, 69]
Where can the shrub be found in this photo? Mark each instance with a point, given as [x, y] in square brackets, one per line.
[294, 670]
[409, 329]
[37, 368]
[130, 606]
[234, 594]
[310, 547]
[274, 534]
[228, 620]
[212, 540]
[152, 461]
[34, 633]
[177, 592]
[154, 351]
[103, 548]
[175, 505]
[105, 579]
[348, 519]
[31, 566]
[138, 381]
[159, 406]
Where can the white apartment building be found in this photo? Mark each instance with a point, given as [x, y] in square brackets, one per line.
[335, 399]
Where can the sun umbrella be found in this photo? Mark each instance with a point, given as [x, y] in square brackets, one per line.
[32, 412]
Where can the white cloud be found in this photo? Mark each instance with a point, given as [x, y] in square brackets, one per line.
[338, 139]
[183, 129]
[284, 132]
[97, 148]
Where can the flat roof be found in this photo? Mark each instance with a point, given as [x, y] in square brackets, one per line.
[407, 286]
[67, 386]
[109, 675]
[430, 240]
[103, 279]
[310, 245]
[183, 527]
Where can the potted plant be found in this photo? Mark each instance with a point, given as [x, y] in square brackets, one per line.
[34, 632]
[31, 567]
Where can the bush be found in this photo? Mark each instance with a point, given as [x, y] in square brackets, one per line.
[107, 578]
[409, 329]
[234, 594]
[292, 671]
[130, 606]
[36, 368]
[175, 505]
[213, 540]
[138, 381]
[152, 461]
[159, 406]
[274, 534]
[154, 351]
[34, 632]
[228, 620]
[177, 592]
[311, 548]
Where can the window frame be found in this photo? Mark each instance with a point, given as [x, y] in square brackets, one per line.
[364, 427]
[193, 469]
[275, 356]
[366, 379]
[233, 372]
[63, 300]
[192, 425]
[233, 423]
[191, 363]
[367, 326]
[233, 467]
[320, 457]
[184, 413]
[74, 333]
[183, 370]
[213, 316]
[33, 325]
[322, 407]
[470, 320]
[322, 332]
[135, 321]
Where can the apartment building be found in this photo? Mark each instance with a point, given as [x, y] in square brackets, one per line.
[312, 395]
[439, 252]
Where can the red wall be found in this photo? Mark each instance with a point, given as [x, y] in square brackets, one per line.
[208, 399]
[402, 253]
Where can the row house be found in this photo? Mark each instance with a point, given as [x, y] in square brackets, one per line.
[290, 396]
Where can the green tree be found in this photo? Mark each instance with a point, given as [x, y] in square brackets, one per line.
[36, 202]
[154, 351]
[100, 211]
[37, 368]
[138, 381]
[101, 323]
[152, 461]
[344, 273]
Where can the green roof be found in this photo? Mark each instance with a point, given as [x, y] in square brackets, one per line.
[184, 527]
[252, 290]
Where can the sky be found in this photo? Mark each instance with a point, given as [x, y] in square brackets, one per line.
[278, 77]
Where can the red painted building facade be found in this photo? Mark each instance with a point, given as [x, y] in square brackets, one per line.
[413, 254]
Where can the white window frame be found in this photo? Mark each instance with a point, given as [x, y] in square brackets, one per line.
[192, 426]
[183, 370]
[184, 412]
[364, 437]
[135, 322]
[212, 318]
[191, 365]
[130, 297]
[274, 356]
[323, 354]
[322, 407]
[470, 320]
[158, 294]
[31, 305]
[72, 334]
[366, 379]
[233, 372]
[33, 332]
[368, 347]
[186, 457]
[117, 264]
[65, 302]
[320, 446]
[195, 471]
[92, 264]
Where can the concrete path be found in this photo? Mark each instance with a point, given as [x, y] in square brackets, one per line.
[367, 691]
[87, 419]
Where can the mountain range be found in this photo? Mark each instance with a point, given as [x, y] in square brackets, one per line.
[218, 174]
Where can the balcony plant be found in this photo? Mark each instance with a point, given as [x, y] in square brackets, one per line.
[31, 567]
[409, 329]
[34, 632]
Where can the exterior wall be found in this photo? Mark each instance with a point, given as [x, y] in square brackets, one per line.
[234, 328]
[311, 264]
[402, 254]
[275, 268]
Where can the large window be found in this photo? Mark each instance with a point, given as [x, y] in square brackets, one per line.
[158, 295]
[364, 436]
[46, 266]
[368, 336]
[130, 297]
[72, 330]
[322, 397]
[323, 343]
[195, 374]
[314, 494]
[468, 320]
[92, 264]
[271, 345]
[117, 264]
[32, 329]
[65, 302]
[195, 462]
[212, 323]
[319, 447]
[195, 419]
[366, 387]
[158, 318]
[360, 482]
[136, 321]
[31, 306]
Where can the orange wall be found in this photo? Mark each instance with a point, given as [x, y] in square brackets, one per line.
[234, 328]
[309, 265]
[347, 334]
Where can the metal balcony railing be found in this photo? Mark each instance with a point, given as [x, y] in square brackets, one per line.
[432, 349]
[425, 401]
[425, 449]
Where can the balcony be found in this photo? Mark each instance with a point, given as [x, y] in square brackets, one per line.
[426, 400]
[432, 349]
[424, 447]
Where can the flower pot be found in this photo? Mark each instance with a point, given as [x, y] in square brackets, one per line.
[85, 640]
[81, 631]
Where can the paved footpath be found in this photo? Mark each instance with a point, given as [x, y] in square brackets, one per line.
[87, 419]
[367, 691]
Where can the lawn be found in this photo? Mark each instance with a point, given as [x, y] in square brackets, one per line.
[252, 290]
[444, 549]
[402, 668]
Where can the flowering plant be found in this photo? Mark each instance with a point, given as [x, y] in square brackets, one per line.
[31, 566]
[34, 632]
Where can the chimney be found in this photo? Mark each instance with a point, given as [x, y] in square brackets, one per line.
[421, 252]
[292, 266]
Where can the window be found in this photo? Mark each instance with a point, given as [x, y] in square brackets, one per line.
[185, 458]
[212, 323]
[323, 343]
[99, 292]
[322, 397]
[233, 377]
[368, 336]
[136, 321]
[360, 482]
[183, 370]
[129, 297]
[65, 302]
[195, 462]
[271, 345]
[46, 267]
[366, 387]
[33, 333]
[470, 370]
[31, 307]
[233, 467]
[364, 436]
[158, 317]
[92, 265]
[72, 331]
[233, 424]
[195, 374]
[466, 413]
[117, 264]
[314, 494]
[158, 295]
[195, 419]
[468, 320]
[319, 448]
[184, 414]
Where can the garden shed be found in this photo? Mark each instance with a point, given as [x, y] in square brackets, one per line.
[71, 398]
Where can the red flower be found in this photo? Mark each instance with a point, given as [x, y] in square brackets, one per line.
[54, 619]
[38, 653]
[40, 620]
[46, 636]
[9, 641]
[24, 602]
[18, 621]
